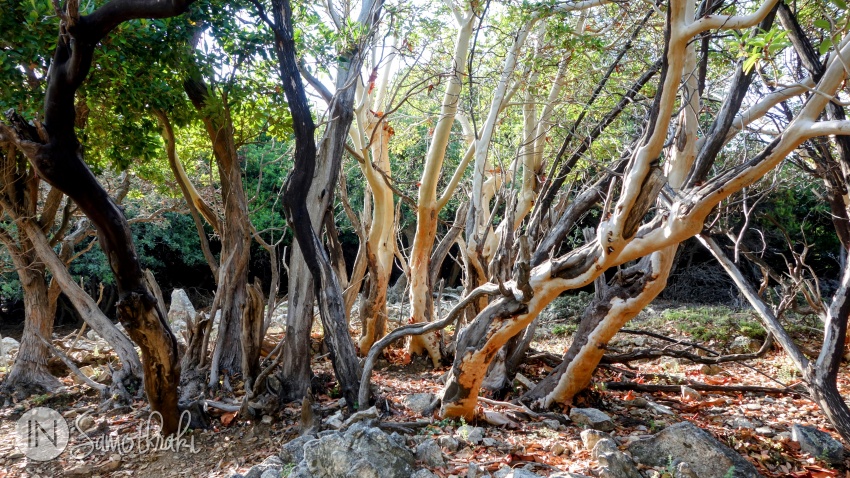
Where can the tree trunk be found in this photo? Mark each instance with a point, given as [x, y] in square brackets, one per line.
[624, 297]
[428, 206]
[303, 181]
[29, 373]
[235, 232]
[57, 155]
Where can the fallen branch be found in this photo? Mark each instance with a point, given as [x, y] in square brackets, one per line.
[701, 387]
[677, 353]
[71, 365]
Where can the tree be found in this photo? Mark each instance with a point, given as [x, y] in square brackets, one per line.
[54, 150]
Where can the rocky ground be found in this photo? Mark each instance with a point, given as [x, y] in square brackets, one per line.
[610, 433]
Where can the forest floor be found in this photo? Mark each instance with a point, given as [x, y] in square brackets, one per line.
[755, 424]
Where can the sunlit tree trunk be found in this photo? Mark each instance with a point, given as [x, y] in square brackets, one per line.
[428, 207]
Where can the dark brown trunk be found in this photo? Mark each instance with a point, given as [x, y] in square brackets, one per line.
[298, 186]
[56, 153]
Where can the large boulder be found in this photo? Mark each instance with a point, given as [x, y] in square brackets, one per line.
[817, 443]
[181, 309]
[707, 457]
[361, 451]
[613, 462]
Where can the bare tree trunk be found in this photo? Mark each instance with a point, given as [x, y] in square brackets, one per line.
[297, 200]
[29, 373]
[235, 231]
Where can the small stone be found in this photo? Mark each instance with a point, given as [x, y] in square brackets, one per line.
[266, 419]
[659, 409]
[473, 435]
[818, 444]
[765, 431]
[491, 442]
[552, 423]
[639, 402]
[428, 452]
[419, 403]
[592, 418]
[742, 422]
[743, 345]
[424, 473]
[85, 423]
[614, 463]
[707, 369]
[335, 421]
[752, 406]
[558, 449]
[475, 471]
[690, 395]
[15, 456]
[590, 437]
[449, 442]
[361, 416]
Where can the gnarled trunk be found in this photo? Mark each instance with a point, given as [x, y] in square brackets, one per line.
[29, 373]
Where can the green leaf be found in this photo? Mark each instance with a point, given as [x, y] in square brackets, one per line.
[823, 24]
[825, 46]
[840, 4]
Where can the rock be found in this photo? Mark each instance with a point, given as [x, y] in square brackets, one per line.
[335, 421]
[181, 309]
[270, 473]
[743, 345]
[754, 407]
[359, 452]
[423, 473]
[293, 451]
[267, 419]
[558, 449]
[683, 470]
[419, 403]
[739, 422]
[552, 424]
[473, 435]
[707, 369]
[659, 409]
[429, 452]
[766, 431]
[690, 395]
[707, 457]
[84, 423]
[639, 402]
[272, 463]
[448, 442]
[592, 418]
[475, 471]
[818, 444]
[567, 474]
[367, 415]
[10, 344]
[590, 437]
[614, 463]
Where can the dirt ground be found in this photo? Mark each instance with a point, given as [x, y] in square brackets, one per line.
[754, 424]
